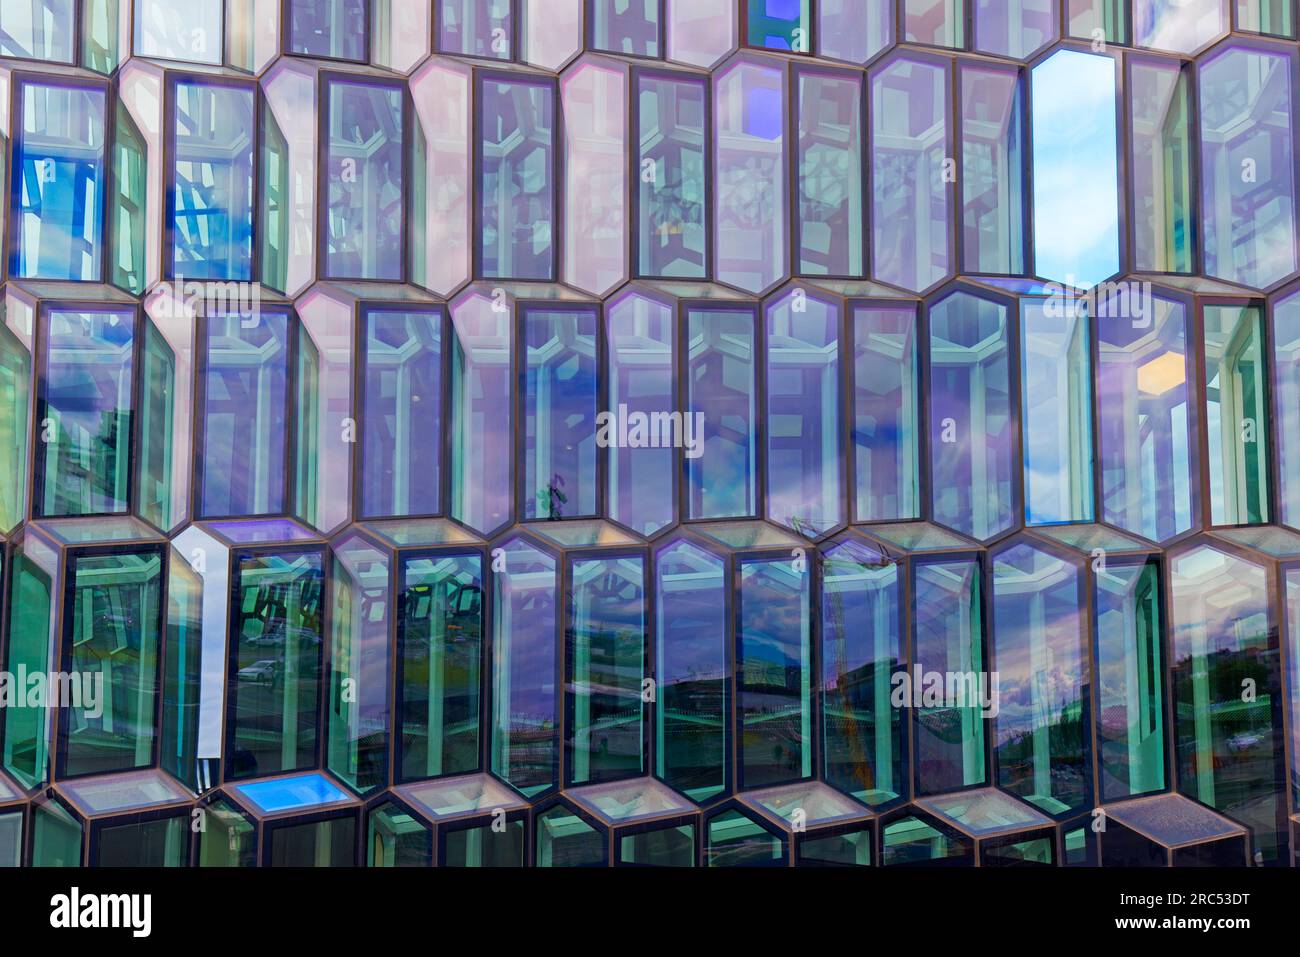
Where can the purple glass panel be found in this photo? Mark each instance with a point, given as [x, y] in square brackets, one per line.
[804, 461]
[750, 175]
[1145, 419]
[525, 705]
[972, 429]
[911, 200]
[641, 393]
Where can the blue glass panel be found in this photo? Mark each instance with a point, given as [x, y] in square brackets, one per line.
[59, 183]
[298, 793]
[1076, 169]
[212, 197]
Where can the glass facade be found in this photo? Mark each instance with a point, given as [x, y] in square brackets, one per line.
[649, 433]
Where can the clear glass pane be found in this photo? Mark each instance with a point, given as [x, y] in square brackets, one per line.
[560, 414]
[276, 658]
[774, 672]
[114, 628]
[440, 634]
[862, 734]
[606, 657]
[721, 394]
[525, 693]
[693, 713]
[364, 182]
[401, 429]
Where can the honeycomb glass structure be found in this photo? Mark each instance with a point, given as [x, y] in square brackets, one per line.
[625, 433]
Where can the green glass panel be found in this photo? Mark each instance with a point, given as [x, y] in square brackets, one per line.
[1161, 158]
[154, 462]
[359, 665]
[11, 839]
[566, 840]
[1273, 17]
[56, 837]
[1237, 421]
[852, 849]
[228, 839]
[419, 205]
[936, 22]
[26, 745]
[1226, 669]
[99, 33]
[862, 734]
[275, 672]
[112, 630]
[1130, 680]
[329, 843]
[1018, 854]
[1076, 846]
[1041, 712]
[127, 226]
[665, 847]
[15, 383]
[181, 675]
[396, 839]
[1096, 20]
[1293, 640]
[606, 642]
[492, 846]
[736, 841]
[440, 634]
[949, 735]
[163, 843]
[274, 222]
[780, 25]
[911, 840]
[306, 457]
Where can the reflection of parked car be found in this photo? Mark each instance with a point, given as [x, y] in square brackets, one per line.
[1244, 740]
[261, 672]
